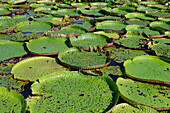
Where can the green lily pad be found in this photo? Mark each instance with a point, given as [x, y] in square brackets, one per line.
[144, 9]
[91, 12]
[11, 101]
[112, 70]
[4, 11]
[20, 18]
[149, 2]
[136, 92]
[19, 36]
[35, 67]
[89, 39]
[98, 4]
[121, 55]
[127, 108]
[130, 41]
[138, 28]
[165, 19]
[10, 49]
[68, 30]
[73, 58]
[111, 25]
[47, 45]
[148, 68]
[138, 22]
[158, 14]
[11, 84]
[161, 50]
[158, 6]
[138, 15]
[167, 33]
[6, 68]
[63, 12]
[110, 35]
[80, 4]
[73, 90]
[115, 11]
[161, 25]
[162, 40]
[7, 25]
[35, 26]
[115, 18]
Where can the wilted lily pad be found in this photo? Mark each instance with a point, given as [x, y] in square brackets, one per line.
[11, 101]
[10, 49]
[73, 92]
[77, 59]
[155, 96]
[148, 68]
[35, 26]
[127, 108]
[47, 45]
[120, 54]
[33, 68]
[89, 39]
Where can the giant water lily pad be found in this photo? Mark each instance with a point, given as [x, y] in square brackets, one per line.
[35, 26]
[10, 49]
[35, 67]
[98, 4]
[138, 22]
[138, 15]
[148, 68]
[130, 41]
[11, 101]
[138, 28]
[11, 84]
[69, 30]
[115, 11]
[108, 34]
[161, 50]
[47, 45]
[73, 92]
[91, 12]
[19, 36]
[111, 25]
[108, 18]
[162, 25]
[73, 58]
[155, 96]
[89, 39]
[127, 108]
[121, 55]
[7, 25]
[63, 12]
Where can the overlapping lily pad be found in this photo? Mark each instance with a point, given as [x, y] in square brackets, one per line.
[73, 92]
[74, 58]
[11, 101]
[134, 92]
[127, 108]
[89, 39]
[35, 26]
[35, 67]
[10, 49]
[47, 45]
[148, 68]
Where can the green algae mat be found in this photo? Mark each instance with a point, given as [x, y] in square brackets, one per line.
[76, 56]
